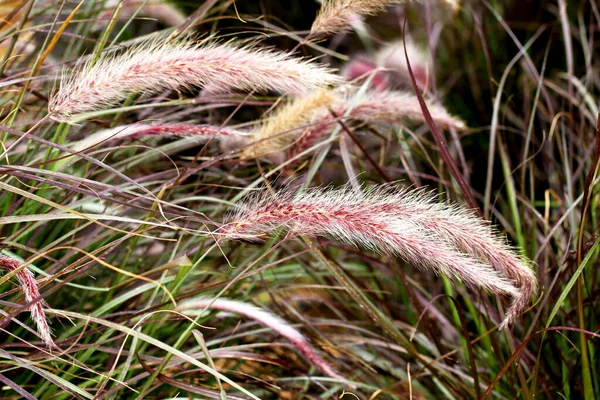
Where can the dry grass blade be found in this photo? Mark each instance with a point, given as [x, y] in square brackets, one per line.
[161, 11]
[201, 133]
[22, 392]
[439, 139]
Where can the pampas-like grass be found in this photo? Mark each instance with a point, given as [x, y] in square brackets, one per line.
[308, 118]
[30, 290]
[287, 124]
[336, 16]
[196, 305]
[200, 133]
[156, 66]
[410, 224]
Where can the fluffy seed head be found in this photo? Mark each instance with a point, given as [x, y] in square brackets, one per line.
[301, 123]
[336, 16]
[409, 224]
[161, 11]
[392, 58]
[30, 290]
[266, 318]
[287, 124]
[156, 66]
[359, 69]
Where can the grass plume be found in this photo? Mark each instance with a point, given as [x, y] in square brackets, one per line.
[279, 325]
[32, 295]
[392, 58]
[306, 119]
[155, 66]
[401, 223]
[336, 16]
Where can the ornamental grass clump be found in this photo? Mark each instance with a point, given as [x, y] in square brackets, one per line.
[409, 224]
[156, 66]
[32, 296]
[196, 306]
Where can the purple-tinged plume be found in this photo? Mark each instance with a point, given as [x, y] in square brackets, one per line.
[30, 290]
[444, 238]
[265, 318]
[157, 66]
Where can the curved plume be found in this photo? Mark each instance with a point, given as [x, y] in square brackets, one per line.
[156, 66]
[336, 16]
[308, 118]
[409, 224]
[265, 318]
[30, 290]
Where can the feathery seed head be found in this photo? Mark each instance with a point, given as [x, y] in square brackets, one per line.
[392, 58]
[412, 225]
[301, 123]
[155, 66]
[288, 123]
[336, 16]
[30, 290]
[279, 325]
[360, 69]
